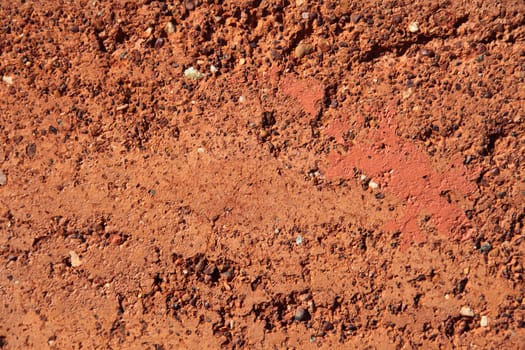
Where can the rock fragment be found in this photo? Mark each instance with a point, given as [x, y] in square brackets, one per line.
[413, 27]
[170, 27]
[484, 322]
[3, 178]
[302, 50]
[192, 73]
[75, 259]
[466, 311]
[31, 150]
[301, 314]
[7, 79]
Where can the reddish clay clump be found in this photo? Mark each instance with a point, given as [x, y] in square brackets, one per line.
[401, 169]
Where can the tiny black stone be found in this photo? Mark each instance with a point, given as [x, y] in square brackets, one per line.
[52, 129]
[460, 287]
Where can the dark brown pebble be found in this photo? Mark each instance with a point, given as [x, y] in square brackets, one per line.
[460, 287]
[397, 19]
[189, 4]
[267, 119]
[175, 132]
[210, 269]
[427, 53]
[159, 43]
[380, 195]
[200, 265]
[228, 275]
[327, 326]
[31, 150]
[355, 18]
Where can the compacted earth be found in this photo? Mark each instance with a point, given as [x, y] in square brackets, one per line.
[262, 174]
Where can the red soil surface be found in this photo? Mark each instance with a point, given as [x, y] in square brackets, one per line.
[342, 175]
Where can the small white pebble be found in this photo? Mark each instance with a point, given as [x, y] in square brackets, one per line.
[305, 15]
[373, 185]
[75, 259]
[242, 99]
[413, 27]
[7, 79]
[192, 73]
[200, 150]
[466, 311]
[170, 27]
[213, 69]
[362, 177]
[406, 93]
[484, 322]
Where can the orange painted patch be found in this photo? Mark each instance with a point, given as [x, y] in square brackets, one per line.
[400, 168]
[308, 92]
[337, 129]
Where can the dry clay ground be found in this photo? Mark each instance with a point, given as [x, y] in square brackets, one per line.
[342, 175]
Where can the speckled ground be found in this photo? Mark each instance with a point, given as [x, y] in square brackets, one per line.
[344, 175]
